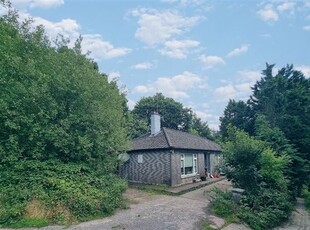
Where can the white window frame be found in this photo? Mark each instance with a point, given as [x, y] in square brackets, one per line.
[194, 163]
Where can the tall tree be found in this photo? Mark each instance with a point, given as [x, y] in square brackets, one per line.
[61, 125]
[238, 114]
[285, 101]
[173, 115]
[276, 140]
[200, 128]
[172, 112]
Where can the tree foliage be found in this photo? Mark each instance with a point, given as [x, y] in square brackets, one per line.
[278, 113]
[56, 107]
[276, 140]
[200, 128]
[238, 114]
[173, 115]
[269, 158]
[284, 99]
[255, 167]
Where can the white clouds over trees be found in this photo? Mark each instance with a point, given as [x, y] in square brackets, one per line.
[175, 87]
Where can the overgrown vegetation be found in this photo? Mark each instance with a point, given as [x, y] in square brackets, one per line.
[267, 146]
[277, 113]
[223, 204]
[253, 166]
[62, 128]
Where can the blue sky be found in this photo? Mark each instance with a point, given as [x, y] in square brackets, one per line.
[199, 52]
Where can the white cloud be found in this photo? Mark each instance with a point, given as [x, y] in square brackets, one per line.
[224, 93]
[211, 61]
[240, 89]
[268, 13]
[238, 51]
[141, 89]
[69, 28]
[131, 104]
[305, 70]
[174, 87]
[243, 88]
[249, 75]
[142, 66]
[202, 115]
[286, 6]
[159, 26]
[307, 28]
[178, 49]
[37, 3]
[101, 49]
[114, 76]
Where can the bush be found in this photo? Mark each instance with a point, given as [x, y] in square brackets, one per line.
[257, 169]
[222, 204]
[266, 210]
[51, 192]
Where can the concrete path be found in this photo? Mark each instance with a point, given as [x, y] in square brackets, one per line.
[300, 218]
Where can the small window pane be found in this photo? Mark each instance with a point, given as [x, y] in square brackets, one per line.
[140, 158]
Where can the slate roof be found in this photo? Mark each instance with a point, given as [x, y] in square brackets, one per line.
[173, 139]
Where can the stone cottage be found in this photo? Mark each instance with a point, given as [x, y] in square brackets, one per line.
[168, 156]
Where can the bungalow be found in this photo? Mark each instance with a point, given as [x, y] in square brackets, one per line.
[168, 156]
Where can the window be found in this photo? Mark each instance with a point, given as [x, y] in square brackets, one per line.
[189, 164]
[140, 158]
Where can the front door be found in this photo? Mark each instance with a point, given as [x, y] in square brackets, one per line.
[207, 163]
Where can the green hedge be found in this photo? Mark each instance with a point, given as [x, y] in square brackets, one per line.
[56, 192]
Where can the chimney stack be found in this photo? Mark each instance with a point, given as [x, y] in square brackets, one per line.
[155, 123]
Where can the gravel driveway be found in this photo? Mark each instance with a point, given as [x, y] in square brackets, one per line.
[148, 212]
[159, 212]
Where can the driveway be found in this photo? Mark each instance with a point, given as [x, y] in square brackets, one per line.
[161, 212]
[147, 212]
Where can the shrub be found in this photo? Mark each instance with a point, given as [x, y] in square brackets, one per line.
[266, 210]
[256, 168]
[56, 193]
[223, 205]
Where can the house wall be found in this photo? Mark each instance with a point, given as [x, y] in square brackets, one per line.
[154, 168]
[162, 167]
[215, 160]
[176, 178]
[175, 168]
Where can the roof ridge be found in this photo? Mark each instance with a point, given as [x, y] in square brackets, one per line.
[167, 137]
[188, 133]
